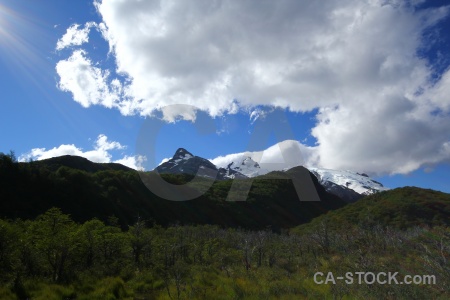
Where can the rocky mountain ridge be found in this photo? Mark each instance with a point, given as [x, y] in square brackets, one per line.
[348, 185]
[184, 162]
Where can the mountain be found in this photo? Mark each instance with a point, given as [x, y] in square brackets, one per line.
[184, 162]
[247, 166]
[87, 190]
[281, 156]
[360, 183]
[348, 185]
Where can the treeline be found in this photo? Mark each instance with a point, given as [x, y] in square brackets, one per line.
[89, 190]
[53, 257]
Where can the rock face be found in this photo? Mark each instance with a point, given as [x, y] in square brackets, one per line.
[346, 194]
[184, 162]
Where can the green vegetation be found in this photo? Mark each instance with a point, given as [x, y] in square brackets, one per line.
[87, 190]
[53, 257]
[400, 208]
[71, 229]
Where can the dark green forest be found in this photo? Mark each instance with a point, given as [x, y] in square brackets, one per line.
[93, 231]
[87, 190]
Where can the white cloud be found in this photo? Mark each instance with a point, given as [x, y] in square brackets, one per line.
[163, 161]
[75, 36]
[88, 84]
[100, 153]
[134, 162]
[283, 155]
[356, 61]
[382, 137]
[257, 114]
[103, 144]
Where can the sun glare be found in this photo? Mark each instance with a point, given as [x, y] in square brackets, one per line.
[18, 37]
[3, 22]
[8, 31]
[8, 20]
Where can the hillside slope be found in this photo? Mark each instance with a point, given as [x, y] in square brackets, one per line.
[79, 163]
[399, 208]
[88, 190]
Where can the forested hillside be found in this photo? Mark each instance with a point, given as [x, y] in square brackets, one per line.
[87, 190]
[72, 229]
[400, 208]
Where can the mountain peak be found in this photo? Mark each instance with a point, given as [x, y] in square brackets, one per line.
[246, 166]
[182, 153]
[184, 162]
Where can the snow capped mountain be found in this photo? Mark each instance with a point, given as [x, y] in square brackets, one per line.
[342, 183]
[360, 183]
[281, 156]
[348, 185]
[184, 162]
[247, 166]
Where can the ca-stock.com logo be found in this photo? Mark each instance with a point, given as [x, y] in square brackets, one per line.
[273, 123]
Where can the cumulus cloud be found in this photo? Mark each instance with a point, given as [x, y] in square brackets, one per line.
[283, 155]
[75, 36]
[135, 162]
[100, 153]
[88, 84]
[380, 111]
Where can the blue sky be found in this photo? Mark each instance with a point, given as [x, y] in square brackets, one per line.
[364, 86]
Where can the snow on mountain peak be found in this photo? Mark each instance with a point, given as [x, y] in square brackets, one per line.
[359, 182]
[279, 157]
[288, 154]
[247, 166]
[284, 155]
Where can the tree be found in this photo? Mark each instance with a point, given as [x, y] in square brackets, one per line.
[89, 236]
[12, 156]
[8, 244]
[322, 236]
[112, 248]
[261, 241]
[55, 240]
[140, 239]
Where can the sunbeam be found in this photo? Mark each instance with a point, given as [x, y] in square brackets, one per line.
[19, 36]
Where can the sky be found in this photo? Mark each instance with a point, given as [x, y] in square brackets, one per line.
[360, 85]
